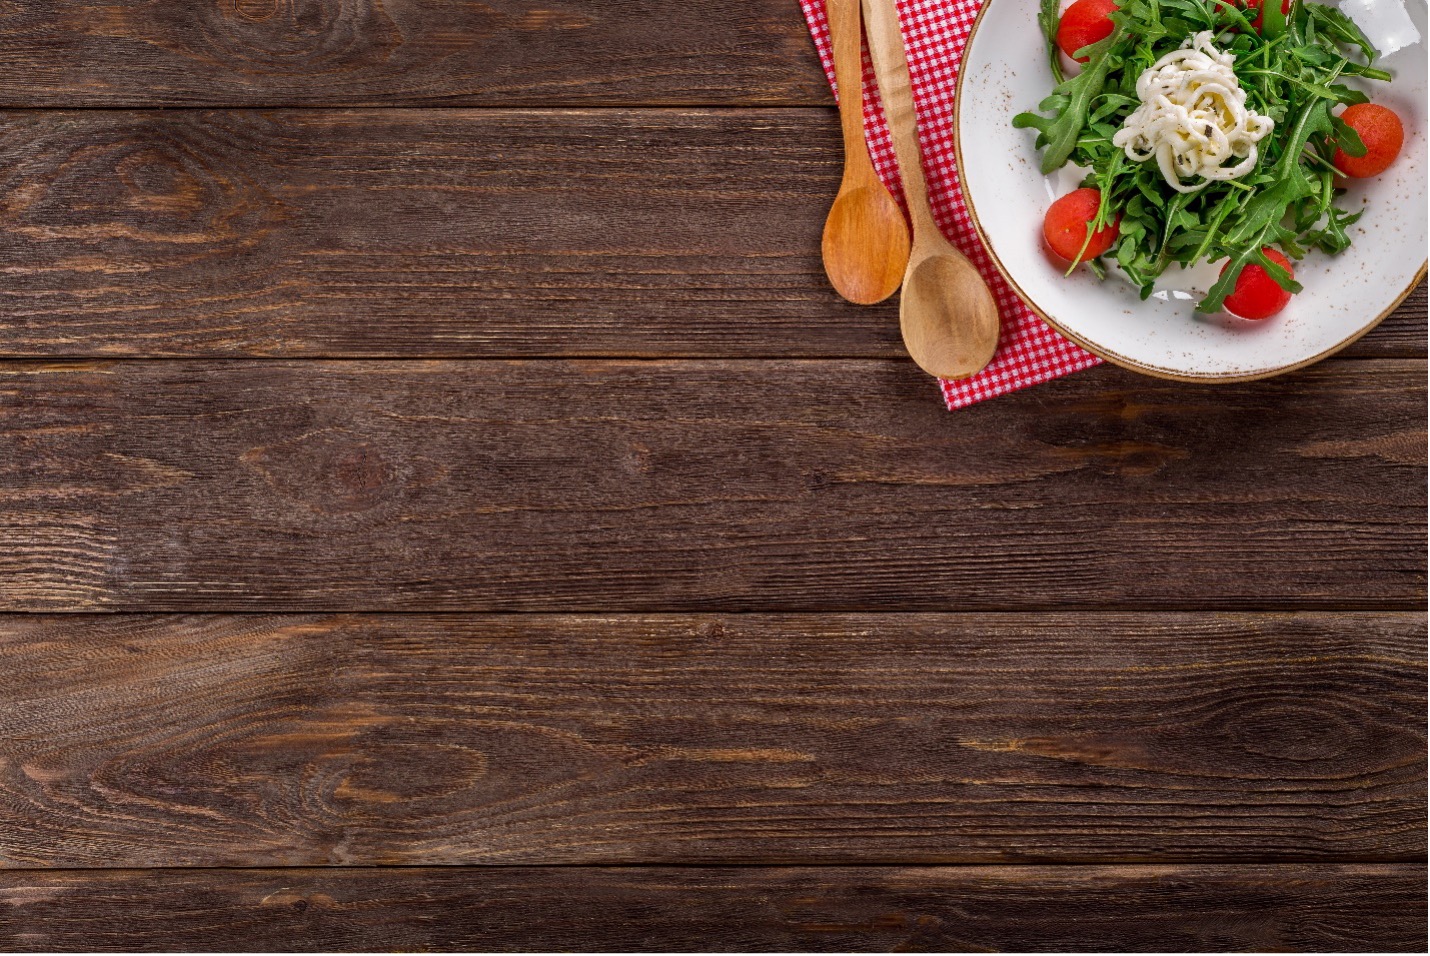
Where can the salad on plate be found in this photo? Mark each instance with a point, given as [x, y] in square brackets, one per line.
[1209, 130]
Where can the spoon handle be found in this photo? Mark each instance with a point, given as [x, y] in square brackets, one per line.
[891, 67]
[844, 32]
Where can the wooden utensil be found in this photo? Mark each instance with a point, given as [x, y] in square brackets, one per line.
[947, 314]
[866, 241]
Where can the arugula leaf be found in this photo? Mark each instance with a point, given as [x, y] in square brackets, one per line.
[1333, 238]
[1341, 26]
[1048, 20]
[1273, 20]
[1277, 273]
[1347, 138]
[1270, 204]
[1060, 133]
[1226, 282]
[1348, 96]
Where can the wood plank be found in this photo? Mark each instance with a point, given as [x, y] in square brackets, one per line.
[1401, 334]
[262, 741]
[437, 233]
[405, 52]
[914, 909]
[659, 486]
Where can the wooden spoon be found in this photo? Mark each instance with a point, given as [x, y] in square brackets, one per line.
[947, 314]
[866, 241]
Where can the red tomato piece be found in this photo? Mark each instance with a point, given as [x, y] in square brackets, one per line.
[1257, 296]
[1083, 24]
[1381, 131]
[1067, 221]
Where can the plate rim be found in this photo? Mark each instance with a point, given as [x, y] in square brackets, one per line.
[1102, 352]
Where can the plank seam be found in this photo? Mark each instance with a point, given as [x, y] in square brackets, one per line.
[1407, 863]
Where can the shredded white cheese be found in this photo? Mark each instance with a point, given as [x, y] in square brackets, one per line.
[1193, 117]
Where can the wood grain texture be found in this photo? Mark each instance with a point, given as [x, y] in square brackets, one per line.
[654, 909]
[439, 233]
[1401, 335]
[660, 486]
[261, 741]
[404, 52]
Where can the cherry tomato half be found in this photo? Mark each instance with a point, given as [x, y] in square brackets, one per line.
[1257, 296]
[1066, 223]
[1083, 24]
[1381, 131]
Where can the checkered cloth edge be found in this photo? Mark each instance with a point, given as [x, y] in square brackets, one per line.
[935, 32]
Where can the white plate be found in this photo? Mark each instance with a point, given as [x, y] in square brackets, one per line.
[1005, 72]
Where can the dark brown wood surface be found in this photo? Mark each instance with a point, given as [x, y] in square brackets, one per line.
[865, 909]
[734, 485]
[430, 233]
[265, 741]
[389, 52]
[444, 406]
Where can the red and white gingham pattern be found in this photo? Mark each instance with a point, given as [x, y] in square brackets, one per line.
[935, 32]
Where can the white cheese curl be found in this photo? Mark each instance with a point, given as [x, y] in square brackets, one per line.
[1193, 117]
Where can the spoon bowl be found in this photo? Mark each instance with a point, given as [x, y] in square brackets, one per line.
[866, 243]
[947, 315]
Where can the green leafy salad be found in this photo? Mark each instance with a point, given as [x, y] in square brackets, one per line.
[1209, 131]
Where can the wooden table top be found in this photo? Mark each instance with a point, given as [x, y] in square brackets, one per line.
[443, 506]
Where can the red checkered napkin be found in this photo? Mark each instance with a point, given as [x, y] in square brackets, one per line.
[935, 32]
